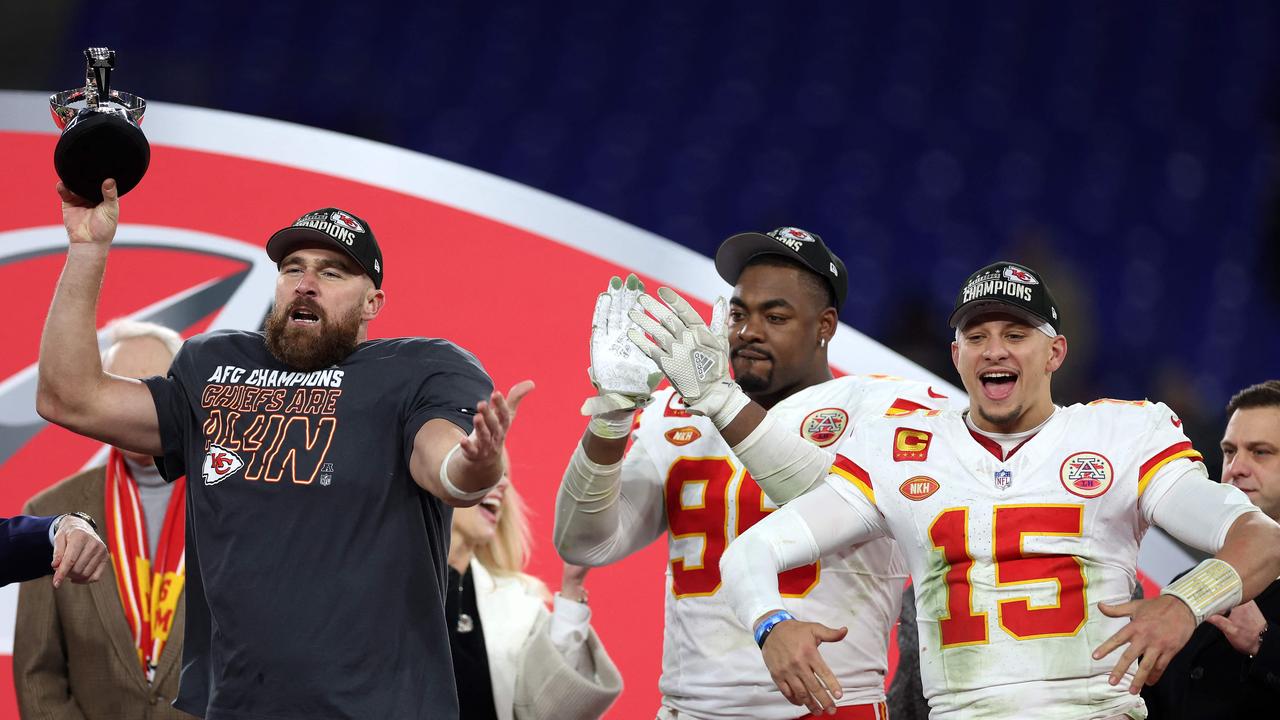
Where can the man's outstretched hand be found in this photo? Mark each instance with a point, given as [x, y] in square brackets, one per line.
[493, 419]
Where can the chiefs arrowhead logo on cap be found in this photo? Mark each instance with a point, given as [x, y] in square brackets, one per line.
[220, 464]
[1019, 275]
[346, 220]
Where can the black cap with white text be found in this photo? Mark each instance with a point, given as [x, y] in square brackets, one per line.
[790, 242]
[1007, 287]
[331, 227]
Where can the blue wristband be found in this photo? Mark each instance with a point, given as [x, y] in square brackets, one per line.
[766, 626]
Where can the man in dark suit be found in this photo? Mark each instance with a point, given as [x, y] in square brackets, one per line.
[65, 546]
[112, 650]
[1231, 666]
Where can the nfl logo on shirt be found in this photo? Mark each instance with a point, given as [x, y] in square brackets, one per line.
[1004, 478]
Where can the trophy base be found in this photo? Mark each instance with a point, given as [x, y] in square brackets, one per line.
[97, 146]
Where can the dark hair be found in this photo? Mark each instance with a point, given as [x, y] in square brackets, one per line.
[1264, 394]
[817, 285]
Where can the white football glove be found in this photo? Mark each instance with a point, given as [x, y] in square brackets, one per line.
[623, 376]
[694, 357]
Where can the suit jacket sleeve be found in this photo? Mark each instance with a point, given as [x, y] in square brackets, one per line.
[25, 551]
[547, 686]
[40, 656]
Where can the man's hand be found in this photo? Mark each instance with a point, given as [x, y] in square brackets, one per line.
[90, 224]
[493, 419]
[1243, 629]
[693, 356]
[623, 376]
[791, 654]
[572, 583]
[78, 553]
[1157, 630]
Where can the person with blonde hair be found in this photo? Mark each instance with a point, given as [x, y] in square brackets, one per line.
[538, 663]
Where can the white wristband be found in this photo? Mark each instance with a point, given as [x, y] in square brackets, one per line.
[612, 425]
[1212, 587]
[452, 489]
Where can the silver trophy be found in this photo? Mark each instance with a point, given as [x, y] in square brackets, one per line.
[104, 138]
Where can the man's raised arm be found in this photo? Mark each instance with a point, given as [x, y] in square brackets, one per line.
[73, 391]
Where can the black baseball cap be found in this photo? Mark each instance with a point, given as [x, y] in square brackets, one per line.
[331, 227]
[802, 246]
[1011, 288]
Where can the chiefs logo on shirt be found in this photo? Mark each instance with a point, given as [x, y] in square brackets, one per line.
[220, 464]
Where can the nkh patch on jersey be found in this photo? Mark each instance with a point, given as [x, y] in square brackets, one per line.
[682, 435]
[919, 487]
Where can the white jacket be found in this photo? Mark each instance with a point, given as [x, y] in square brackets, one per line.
[531, 677]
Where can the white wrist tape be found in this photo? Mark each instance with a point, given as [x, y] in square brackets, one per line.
[782, 463]
[612, 425]
[453, 490]
[1212, 587]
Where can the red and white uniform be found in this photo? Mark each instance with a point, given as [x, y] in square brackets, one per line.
[680, 476]
[1012, 552]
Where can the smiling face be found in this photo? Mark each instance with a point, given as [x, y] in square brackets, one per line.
[477, 525]
[323, 305]
[778, 317]
[1005, 366]
[1251, 456]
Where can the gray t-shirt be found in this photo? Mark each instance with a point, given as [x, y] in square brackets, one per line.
[315, 564]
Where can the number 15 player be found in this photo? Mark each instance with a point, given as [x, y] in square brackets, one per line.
[1020, 521]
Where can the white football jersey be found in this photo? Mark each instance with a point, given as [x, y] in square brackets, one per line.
[1011, 554]
[711, 666]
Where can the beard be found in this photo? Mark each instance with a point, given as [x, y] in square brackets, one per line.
[752, 382]
[1002, 419]
[304, 350]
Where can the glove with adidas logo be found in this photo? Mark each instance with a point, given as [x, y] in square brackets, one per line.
[624, 378]
[693, 356]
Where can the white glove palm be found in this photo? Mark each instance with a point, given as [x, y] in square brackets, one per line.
[624, 377]
[693, 356]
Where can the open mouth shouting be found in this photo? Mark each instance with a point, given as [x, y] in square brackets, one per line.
[303, 315]
[490, 508]
[998, 383]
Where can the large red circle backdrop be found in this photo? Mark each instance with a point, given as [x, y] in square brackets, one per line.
[504, 270]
